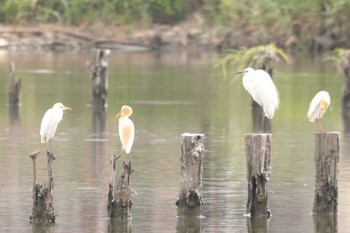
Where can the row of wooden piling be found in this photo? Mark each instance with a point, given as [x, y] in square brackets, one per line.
[258, 156]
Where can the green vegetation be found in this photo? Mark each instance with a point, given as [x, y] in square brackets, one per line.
[315, 25]
[73, 12]
[276, 14]
[259, 57]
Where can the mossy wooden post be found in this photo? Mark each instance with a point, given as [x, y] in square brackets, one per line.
[99, 76]
[191, 168]
[326, 184]
[258, 155]
[43, 211]
[119, 195]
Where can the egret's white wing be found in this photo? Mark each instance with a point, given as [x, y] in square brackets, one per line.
[266, 93]
[49, 124]
[315, 112]
[248, 84]
[126, 133]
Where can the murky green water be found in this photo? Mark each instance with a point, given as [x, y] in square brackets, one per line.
[170, 94]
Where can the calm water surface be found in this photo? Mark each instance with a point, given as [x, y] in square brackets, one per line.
[171, 94]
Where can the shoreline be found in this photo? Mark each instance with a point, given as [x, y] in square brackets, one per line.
[186, 36]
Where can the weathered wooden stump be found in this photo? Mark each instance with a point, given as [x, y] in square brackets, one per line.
[326, 184]
[43, 211]
[191, 169]
[99, 76]
[119, 195]
[258, 155]
[15, 86]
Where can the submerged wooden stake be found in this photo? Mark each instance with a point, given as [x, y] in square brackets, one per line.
[191, 168]
[258, 155]
[119, 195]
[15, 86]
[43, 210]
[99, 76]
[326, 184]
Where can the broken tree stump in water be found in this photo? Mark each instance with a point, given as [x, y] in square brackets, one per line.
[15, 86]
[99, 76]
[43, 210]
[119, 195]
[258, 155]
[326, 179]
[191, 169]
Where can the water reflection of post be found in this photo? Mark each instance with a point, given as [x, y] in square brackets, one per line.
[189, 224]
[119, 226]
[13, 101]
[43, 228]
[98, 119]
[258, 224]
[325, 223]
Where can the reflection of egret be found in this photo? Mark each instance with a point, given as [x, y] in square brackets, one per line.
[318, 107]
[50, 121]
[259, 85]
[126, 128]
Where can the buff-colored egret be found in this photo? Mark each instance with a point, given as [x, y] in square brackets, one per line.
[126, 128]
[318, 107]
[259, 85]
[50, 121]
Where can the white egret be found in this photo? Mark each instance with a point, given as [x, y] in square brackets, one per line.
[126, 128]
[318, 107]
[50, 121]
[259, 85]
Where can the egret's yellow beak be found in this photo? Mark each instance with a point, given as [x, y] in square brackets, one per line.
[118, 115]
[66, 108]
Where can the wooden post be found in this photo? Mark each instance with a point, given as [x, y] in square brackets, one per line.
[258, 155]
[43, 211]
[326, 184]
[191, 168]
[345, 66]
[15, 86]
[99, 76]
[119, 195]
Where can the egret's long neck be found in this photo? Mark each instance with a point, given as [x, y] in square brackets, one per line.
[122, 117]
